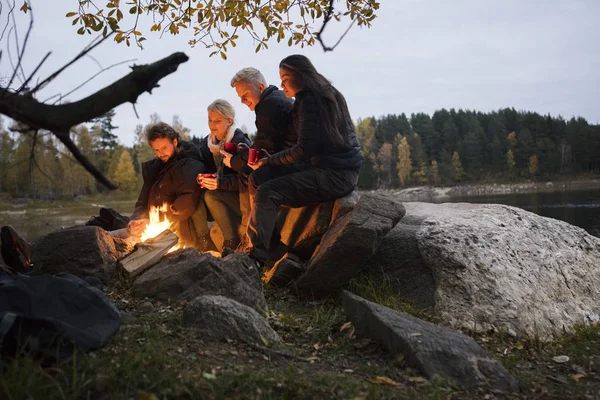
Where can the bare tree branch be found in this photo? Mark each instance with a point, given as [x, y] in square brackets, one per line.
[65, 138]
[7, 20]
[59, 119]
[77, 57]
[325, 22]
[92, 77]
[24, 85]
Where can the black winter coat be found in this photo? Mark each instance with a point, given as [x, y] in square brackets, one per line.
[173, 182]
[313, 147]
[274, 131]
[228, 179]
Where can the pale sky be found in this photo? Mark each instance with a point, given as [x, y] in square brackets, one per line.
[419, 56]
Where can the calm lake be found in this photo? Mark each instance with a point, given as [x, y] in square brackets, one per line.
[581, 208]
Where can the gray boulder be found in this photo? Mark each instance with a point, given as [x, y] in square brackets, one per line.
[219, 318]
[484, 266]
[81, 250]
[349, 242]
[432, 349]
[187, 274]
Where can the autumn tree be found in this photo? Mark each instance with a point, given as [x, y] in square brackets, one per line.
[457, 167]
[533, 165]
[433, 173]
[511, 163]
[383, 162]
[125, 174]
[404, 161]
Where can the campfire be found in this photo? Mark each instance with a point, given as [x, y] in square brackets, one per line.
[157, 240]
[158, 224]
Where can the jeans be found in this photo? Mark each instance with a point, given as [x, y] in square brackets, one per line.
[224, 206]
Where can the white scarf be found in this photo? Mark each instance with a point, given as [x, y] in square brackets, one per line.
[215, 146]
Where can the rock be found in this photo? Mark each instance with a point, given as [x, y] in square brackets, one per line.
[302, 228]
[484, 266]
[146, 307]
[432, 349]
[187, 274]
[349, 242]
[561, 359]
[219, 318]
[128, 318]
[284, 271]
[81, 250]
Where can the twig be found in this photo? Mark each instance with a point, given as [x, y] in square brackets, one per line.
[7, 20]
[24, 85]
[80, 55]
[326, 20]
[92, 77]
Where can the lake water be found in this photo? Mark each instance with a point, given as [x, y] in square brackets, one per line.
[581, 208]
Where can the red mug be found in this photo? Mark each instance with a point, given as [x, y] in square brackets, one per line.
[208, 175]
[253, 156]
[230, 147]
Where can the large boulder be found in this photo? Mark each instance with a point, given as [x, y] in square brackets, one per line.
[219, 318]
[349, 242]
[187, 274]
[485, 266]
[302, 228]
[81, 250]
[432, 349]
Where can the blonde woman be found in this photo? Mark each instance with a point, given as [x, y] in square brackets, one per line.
[220, 182]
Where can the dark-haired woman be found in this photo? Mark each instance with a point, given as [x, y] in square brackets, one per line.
[322, 166]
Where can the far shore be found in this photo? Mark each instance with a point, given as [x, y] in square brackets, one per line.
[437, 194]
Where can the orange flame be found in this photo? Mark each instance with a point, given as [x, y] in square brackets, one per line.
[158, 223]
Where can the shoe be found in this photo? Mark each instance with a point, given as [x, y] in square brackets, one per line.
[16, 251]
[205, 243]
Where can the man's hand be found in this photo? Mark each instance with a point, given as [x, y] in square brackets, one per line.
[226, 158]
[137, 226]
[259, 163]
[210, 183]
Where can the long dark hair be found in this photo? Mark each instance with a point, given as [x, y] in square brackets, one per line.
[328, 98]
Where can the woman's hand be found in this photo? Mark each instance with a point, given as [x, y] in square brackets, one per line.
[210, 183]
[259, 163]
[226, 158]
[242, 147]
[137, 226]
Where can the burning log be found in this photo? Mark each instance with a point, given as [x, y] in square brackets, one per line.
[147, 253]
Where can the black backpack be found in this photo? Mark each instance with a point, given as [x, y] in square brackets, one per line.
[52, 316]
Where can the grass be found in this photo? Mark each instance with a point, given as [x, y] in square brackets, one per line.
[156, 357]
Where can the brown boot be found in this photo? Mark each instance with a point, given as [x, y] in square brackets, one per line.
[16, 251]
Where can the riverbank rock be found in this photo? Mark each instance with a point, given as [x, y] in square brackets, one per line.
[302, 228]
[220, 318]
[187, 274]
[82, 251]
[349, 242]
[487, 266]
[432, 349]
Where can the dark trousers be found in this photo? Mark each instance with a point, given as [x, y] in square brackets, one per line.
[290, 186]
[224, 206]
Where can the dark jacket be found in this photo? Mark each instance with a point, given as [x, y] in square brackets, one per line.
[227, 176]
[312, 146]
[173, 182]
[273, 126]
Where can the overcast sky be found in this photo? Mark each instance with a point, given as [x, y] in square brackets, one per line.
[419, 56]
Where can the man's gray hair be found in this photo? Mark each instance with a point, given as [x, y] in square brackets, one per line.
[248, 75]
[159, 130]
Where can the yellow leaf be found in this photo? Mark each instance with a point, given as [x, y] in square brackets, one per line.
[519, 346]
[348, 324]
[25, 7]
[577, 377]
[416, 379]
[71, 14]
[223, 55]
[383, 380]
[146, 395]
